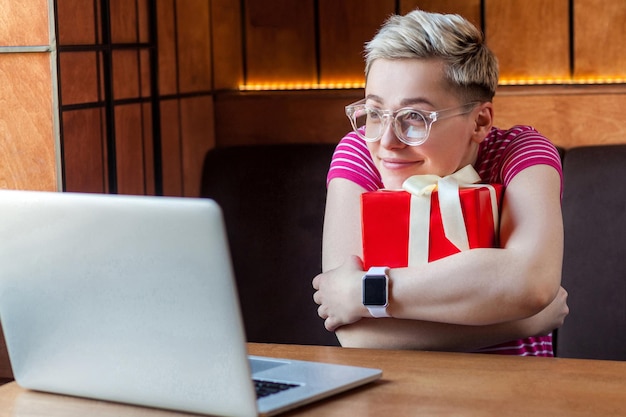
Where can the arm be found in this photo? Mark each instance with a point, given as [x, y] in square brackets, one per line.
[497, 285]
[423, 335]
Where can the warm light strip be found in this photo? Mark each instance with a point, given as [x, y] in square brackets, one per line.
[564, 81]
[358, 85]
[301, 86]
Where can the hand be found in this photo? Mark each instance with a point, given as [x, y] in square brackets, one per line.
[339, 294]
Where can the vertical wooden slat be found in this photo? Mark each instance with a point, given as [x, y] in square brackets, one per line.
[79, 77]
[83, 149]
[166, 33]
[171, 148]
[599, 38]
[148, 148]
[125, 74]
[194, 45]
[76, 22]
[530, 37]
[227, 40]
[123, 21]
[143, 20]
[197, 127]
[469, 9]
[280, 42]
[144, 73]
[344, 27]
[129, 149]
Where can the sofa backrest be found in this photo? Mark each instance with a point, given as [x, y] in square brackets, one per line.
[273, 199]
[594, 264]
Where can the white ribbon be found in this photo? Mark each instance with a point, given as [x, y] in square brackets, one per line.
[421, 187]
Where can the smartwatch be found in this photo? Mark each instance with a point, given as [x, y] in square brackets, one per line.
[376, 291]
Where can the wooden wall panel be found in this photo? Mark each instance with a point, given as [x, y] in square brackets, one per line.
[283, 117]
[166, 32]
[470, 9]
[143, 21]
[344, 28]
[194, 45]
[84, 150]
[599, 38]
[529, 37]
[76, 22]
[27, 134]
[124, 19]
[126, 72]
[147, 136]
[197, 127]
[568, 116]
[187, 127]
[79, 77]
[227, 39]
[280, 41]
[24, 23]
[560, 112]
[171, 149]
[129, 149]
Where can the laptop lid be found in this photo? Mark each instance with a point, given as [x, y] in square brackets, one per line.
[132, 299]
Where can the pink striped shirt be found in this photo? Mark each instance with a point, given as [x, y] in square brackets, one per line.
[501, 156]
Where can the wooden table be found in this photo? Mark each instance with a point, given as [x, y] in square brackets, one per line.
[413, 384]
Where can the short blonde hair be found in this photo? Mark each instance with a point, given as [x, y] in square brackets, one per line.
[470, 66]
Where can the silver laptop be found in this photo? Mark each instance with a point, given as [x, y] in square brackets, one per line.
[132, 299]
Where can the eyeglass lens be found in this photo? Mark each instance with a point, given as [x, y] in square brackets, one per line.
[409, 125]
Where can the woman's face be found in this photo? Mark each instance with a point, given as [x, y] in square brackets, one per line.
[419, 84]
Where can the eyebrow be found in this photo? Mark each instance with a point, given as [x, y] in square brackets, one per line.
[404, 103]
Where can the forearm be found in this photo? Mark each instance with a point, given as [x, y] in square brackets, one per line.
[422, 335]
[478, 287]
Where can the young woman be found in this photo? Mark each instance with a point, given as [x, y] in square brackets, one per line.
[434, 71]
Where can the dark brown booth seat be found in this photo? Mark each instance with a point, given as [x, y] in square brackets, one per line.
[594, 266]
[273, 199]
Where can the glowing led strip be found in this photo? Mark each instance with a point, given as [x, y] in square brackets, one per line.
[290, 86]
[563, 81]
[301, 86]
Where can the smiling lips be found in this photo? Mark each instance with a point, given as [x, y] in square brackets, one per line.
[393, 164]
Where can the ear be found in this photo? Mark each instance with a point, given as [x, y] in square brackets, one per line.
[483, 122]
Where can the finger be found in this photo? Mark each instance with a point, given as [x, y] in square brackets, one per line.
[322, 312]
[316, 282]
[330, 324]
[317, 298]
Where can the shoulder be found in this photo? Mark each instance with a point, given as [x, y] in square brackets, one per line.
[353, 161]
[504, 153]
[352, 145]
[501, 139]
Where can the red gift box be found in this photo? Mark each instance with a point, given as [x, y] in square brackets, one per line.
[386, 225]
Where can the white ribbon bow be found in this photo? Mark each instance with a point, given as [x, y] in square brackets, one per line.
[421, 188]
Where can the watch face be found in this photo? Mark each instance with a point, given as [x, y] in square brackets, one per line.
[375, 290]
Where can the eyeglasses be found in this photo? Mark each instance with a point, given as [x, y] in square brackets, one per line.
[410, 125]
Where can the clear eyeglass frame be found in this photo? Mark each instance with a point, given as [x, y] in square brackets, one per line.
[411, 126]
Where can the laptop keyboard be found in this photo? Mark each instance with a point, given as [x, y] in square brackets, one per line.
[265, 388]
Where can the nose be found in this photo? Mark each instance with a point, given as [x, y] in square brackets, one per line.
[389, 139]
